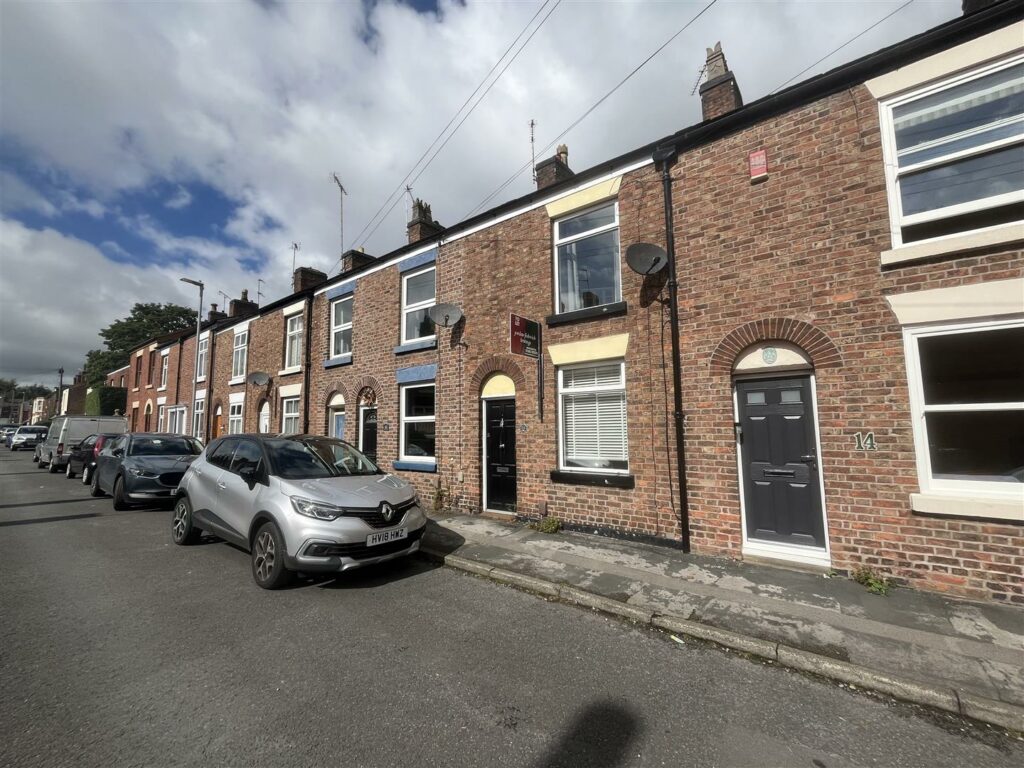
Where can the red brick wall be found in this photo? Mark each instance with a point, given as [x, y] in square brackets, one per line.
[376, 308]
[805, 244]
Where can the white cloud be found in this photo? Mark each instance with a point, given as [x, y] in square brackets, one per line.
[263, 103]
[181, 198]
[16, 195]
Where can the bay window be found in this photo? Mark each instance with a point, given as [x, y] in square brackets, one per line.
[955, 154]
[587, 259]
[592, 417]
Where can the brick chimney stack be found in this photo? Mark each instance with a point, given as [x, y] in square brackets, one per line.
[242, 307]
[719, 94]
[355, 259]
[215, 314]
[422, 224]
[306, 277]
[554, 169]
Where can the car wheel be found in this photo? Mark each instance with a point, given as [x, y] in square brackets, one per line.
[51, 467]
[182, 530]
[68, 472]
[86, 476]
[268, 567]
[120, 503]
[94, 489]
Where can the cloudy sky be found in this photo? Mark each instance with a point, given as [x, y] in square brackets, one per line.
[144, 141]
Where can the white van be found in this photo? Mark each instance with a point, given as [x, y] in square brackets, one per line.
[66, 432]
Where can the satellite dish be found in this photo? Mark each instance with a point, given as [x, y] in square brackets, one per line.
[444, 315]
[646, 258]
[258, 378]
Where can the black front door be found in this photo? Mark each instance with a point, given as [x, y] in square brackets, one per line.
[368, 432]
[500, 455]
[781, 491]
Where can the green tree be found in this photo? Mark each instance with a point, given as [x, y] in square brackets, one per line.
[10, 390]
[124, 335]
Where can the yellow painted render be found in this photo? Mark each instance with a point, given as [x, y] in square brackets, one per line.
[498, 385]
[577, 200]
[604, 348]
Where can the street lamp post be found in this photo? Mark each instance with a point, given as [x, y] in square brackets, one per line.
[195, 371]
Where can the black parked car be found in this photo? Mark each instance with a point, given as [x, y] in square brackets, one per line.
[143, 467]
[83, 456]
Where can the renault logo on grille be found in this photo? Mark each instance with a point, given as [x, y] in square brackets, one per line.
[386, 511]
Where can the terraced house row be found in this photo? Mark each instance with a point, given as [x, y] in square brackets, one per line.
[847, 257]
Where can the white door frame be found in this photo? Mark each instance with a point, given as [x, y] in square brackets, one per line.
[483, 454]
[774, 550]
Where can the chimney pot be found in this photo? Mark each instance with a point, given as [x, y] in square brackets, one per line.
[554, 169]
[719, 93]
[422, 224]
[242, 307]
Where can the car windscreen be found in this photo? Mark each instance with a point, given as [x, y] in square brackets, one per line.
[32, 431]
[165, 446]
[317, 457]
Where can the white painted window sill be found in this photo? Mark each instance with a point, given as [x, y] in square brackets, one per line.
[161, 389]
[235, 381]
[982, 238]
[969, 506]
[289, 371]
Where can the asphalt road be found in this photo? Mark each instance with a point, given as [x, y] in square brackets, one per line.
[118, 648]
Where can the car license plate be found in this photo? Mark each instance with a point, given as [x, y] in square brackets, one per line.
[385, 536]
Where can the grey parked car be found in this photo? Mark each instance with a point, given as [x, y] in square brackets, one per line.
[143, 467]
[25, 438]
[297, 503]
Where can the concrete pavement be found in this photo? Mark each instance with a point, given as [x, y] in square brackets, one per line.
[961, 656]
[119, 649]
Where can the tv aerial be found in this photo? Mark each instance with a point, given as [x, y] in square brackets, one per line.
[646, 258]
[444, 315]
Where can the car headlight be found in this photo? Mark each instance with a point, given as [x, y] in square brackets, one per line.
[316, 509]
[142, 472]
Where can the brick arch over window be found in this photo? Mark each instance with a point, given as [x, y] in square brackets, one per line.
[370, 383]
[818, 346]
[336, 389]
[497, 364]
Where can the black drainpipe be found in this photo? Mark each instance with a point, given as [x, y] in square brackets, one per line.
[665, 156]
[307, 357]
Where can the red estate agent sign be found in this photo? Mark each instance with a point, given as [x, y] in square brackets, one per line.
[524, 336]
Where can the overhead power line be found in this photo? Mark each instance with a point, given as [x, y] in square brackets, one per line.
[392, 200]
[596, 104]
[834, 51]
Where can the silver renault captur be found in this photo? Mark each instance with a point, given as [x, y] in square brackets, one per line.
[297, 503]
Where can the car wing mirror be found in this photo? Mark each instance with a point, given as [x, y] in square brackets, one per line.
[251, 475]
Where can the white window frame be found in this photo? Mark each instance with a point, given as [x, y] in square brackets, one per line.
[198, 414]
[403, 420]
[559, 241]
[263, 419]
[341, 327]
[286, 416]
[929, 485]
[620, 387]
[204, 347]
[236, 417]
[165, 363]
[427, 304]
[239, 354]
[893, 172]
[297, 331]
[176, 419]
[161, 413]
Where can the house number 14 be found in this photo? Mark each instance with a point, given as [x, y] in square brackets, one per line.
[864, 441]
